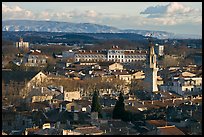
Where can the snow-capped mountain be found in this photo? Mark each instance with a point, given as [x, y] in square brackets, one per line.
[55, 26]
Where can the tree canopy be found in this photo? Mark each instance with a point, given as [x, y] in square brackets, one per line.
[95, 106]
[119, 109]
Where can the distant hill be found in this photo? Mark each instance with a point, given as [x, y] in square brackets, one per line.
[55, 26]
[72, 38]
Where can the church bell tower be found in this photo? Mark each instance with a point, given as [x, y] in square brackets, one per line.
[151, 69]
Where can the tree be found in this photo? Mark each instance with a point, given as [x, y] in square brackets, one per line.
[119, 109]
[95, 106]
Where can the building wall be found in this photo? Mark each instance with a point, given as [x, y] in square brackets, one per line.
[24, 45]
[116, 66]
[89, 57]
[114, 55]
[69, 96]
[35, 60]
[159, 49]
[41, 98]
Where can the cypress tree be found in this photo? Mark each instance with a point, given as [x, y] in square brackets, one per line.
[95, 106]
[119, 109]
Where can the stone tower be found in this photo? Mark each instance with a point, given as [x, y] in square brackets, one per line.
[151, 70]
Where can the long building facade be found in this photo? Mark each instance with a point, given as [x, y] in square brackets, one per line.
[115, 54]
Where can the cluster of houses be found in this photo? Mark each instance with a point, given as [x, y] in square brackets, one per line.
[176, 108]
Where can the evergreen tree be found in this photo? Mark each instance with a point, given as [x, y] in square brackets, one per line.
[95, 106]
[119, 109]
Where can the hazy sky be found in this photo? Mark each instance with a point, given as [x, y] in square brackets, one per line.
[177, 17]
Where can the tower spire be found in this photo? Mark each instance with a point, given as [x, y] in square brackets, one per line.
[151, 69]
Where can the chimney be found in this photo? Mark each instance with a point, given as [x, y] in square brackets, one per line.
[152, 102]
[162, 100]
[38, 51]
[42, 90]
[60, 108]
[143, 102]
[61, 89]
[173, 101]
[90, 51]
[21, 39]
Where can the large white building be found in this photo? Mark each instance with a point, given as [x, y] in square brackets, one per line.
[115, 54]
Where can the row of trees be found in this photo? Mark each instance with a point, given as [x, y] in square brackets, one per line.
[11, 92]
[88, 86]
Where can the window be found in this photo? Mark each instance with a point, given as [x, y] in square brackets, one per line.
[72, 108]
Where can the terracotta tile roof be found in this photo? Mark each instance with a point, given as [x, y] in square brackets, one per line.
[35, 53]
[89, 130]
[31, 130]
[170, 130]
[91, 52]
[157, 123]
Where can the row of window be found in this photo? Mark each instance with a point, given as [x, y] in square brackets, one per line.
[89, 59]
[90, 56]
[127, 56]
[36, 61]
[110, 56]
[114, 60]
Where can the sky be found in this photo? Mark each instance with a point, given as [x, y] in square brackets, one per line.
[176, 17]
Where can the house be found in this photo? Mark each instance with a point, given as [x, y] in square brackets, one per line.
[41, 94]
[31, 131]
[115, 66]
[122, 75]
[72, 107]
[26, 80]
[13, 120]
[183, 83]
[138, 75]
[35, 58]
[84, 105]
[117, 127]
[71, 95]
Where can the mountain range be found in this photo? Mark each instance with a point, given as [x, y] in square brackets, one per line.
[56, 26]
